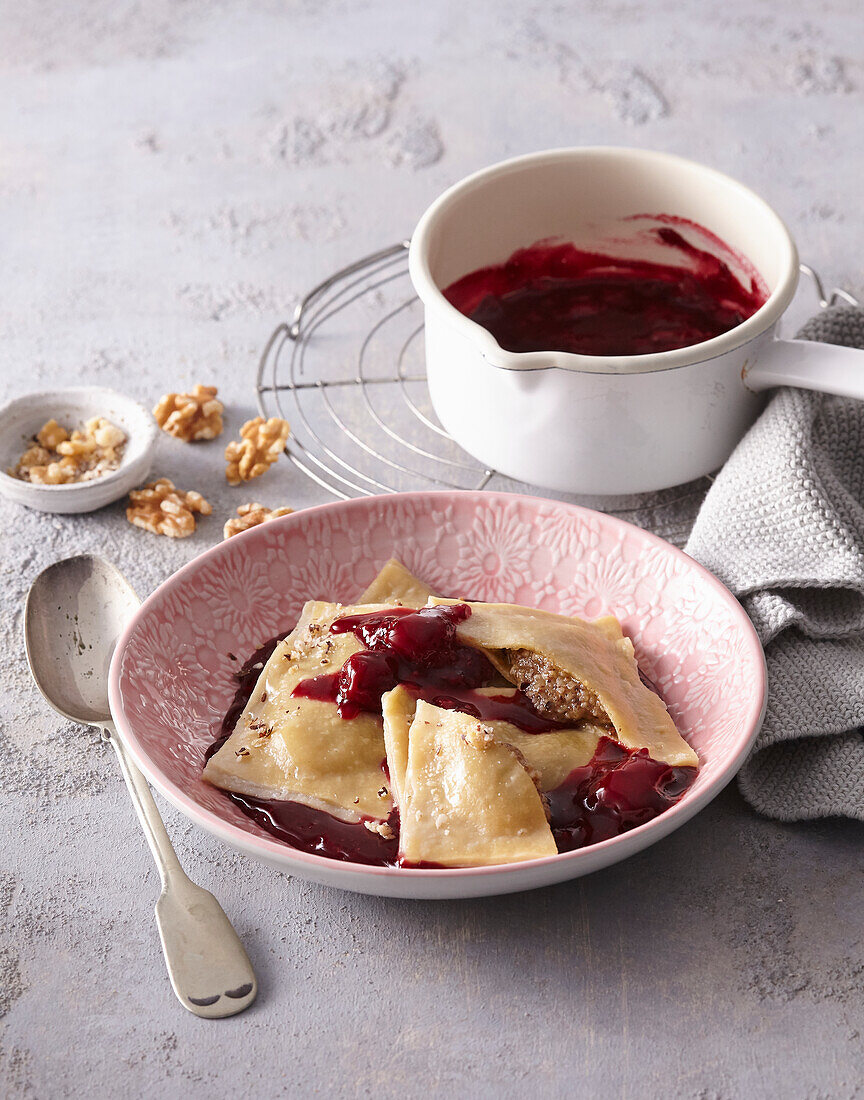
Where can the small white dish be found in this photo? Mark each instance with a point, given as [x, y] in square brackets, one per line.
[22, 418]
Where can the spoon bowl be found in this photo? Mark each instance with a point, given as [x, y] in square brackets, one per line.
[75, 612]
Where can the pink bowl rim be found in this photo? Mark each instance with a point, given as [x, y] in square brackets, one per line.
[632, 841]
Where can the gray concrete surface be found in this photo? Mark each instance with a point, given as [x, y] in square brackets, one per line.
[172, 177]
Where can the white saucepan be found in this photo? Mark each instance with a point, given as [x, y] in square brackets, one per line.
[607, 424]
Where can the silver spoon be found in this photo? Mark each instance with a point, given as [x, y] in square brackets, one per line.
[76, 610]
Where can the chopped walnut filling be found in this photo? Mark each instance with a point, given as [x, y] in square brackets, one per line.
[261, 443]
[554, 692]
[191, 416]
[58, 457]
[165, 510]
[250, 515]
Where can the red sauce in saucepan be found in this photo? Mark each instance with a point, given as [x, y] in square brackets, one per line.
[557, 297]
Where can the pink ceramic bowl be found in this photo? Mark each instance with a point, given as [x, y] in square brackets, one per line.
[171, 676]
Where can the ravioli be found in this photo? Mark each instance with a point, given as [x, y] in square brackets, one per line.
[550, 757]
[398, 707]
[298, 749]
[553, 755]
[596, 654]
[470, 792]
[397, 585]
[467, 799]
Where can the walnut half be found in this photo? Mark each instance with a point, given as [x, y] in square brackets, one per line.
[261, 443]
[250, 515]
[191, 416]
[165, 510]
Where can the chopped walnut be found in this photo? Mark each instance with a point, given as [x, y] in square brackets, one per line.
[250, 515]
[50, 434]
[56, 457]
[161, 508]
[78, 445]
[35, 456]
[383, 830]
[261, 444]
[479, 736]
[106, 434]
[191, 416]
[54, 473]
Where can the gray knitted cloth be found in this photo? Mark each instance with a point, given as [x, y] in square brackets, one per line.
[783, 527]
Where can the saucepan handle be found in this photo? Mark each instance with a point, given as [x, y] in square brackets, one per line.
[809, 365]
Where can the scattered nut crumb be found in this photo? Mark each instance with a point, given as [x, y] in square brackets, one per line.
[383, 792]
[261, 443]
[251, 515]
[56, 457]
[190, 416]
[242, 751]
[479, 736]
[381, 828]
[161, 508]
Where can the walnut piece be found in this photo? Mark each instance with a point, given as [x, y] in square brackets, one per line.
[250, 515]
[165, 510]
[191, 416]
[479, 736]
[261, 444]
[56, 457]
[50, 434]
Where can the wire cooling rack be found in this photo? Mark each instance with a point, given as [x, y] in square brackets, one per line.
[348, 373]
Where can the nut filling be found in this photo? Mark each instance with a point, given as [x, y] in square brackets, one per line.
[552, 691]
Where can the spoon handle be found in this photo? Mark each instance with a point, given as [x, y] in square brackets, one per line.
[209, 969]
